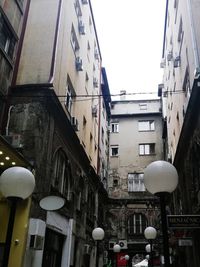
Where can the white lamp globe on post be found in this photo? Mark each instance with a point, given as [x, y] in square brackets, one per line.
[150, 234]
[116, 249]
[98, 235]
[148, 248]
[16, 183]
[161, 178]
[127, 259]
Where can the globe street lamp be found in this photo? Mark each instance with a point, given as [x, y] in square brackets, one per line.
[150, 234]
[98, 235]
[161, 178]
[116, 249]
[16, 183]
[127, 259]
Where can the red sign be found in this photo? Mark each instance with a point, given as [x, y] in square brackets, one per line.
[121, 261]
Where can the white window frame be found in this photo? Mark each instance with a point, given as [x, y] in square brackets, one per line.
[74, 41]
[146, 125]
[10, 40]
[143, 106]
[114, 127]
[112, 148]
[146, 149]
[137, 222]
[136, 182]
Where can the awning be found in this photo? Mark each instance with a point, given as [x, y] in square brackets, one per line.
[143, 263]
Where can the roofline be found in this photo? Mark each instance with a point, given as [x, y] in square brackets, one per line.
[135, 100]
[136, 115]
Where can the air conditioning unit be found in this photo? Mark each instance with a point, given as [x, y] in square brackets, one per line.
[169, 56]
[94, 111]
[15, 140]
[81, 27]
[95, 83]
[87, 249]
[123, 244]
[79, 64]
[177, 61]
[74, 123]
[162, 63]
[84, 2]
[96, 54]
[36, 242]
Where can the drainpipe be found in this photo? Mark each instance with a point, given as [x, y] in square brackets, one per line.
[99, 123]
[53, 59]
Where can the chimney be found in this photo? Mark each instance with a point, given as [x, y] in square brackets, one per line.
[123, 95]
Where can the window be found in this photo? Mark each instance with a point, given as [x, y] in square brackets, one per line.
[146, 149]
[114, 127]
[102, 135]
[61, 173]
[143, 106]
[137, 223]
[180, 30]
[114, 150]
[136, 182]
[77, 8]
[69, 95]
[74, 40]
[147, 125]
[7, 40]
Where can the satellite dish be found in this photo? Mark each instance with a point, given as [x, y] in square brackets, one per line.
[52, 203]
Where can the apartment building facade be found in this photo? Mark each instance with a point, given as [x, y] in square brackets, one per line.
[12, 18]
[58, 112]
[135, 141]
[180, 95]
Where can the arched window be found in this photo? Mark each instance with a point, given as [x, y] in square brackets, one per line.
[61, 173]
[137, 223]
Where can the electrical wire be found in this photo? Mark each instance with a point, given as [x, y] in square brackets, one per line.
[99, 95]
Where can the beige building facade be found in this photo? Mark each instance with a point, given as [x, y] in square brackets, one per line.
[180, 95]
[58, 113]
[135, 141]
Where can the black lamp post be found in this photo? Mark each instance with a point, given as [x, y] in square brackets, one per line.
[116, 249]
[150, 234]
[16, 183]
[161, 178]
[98, 235]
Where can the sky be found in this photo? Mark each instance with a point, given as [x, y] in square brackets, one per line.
[130, 34]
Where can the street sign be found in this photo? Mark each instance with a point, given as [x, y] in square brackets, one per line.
[183, 221]
[185, 242]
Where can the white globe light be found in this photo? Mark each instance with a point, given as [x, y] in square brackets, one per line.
[148, 248]
[98, 234]
[126, 257]
[150, 233]
[17, 182]
[116, 248]
[160, 176]
[147, 257]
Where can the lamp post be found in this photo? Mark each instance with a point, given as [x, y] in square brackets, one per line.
[127, 259]
[16, 183]
[161, 178]
[150, 234]
[98, 235]
[116, 249]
